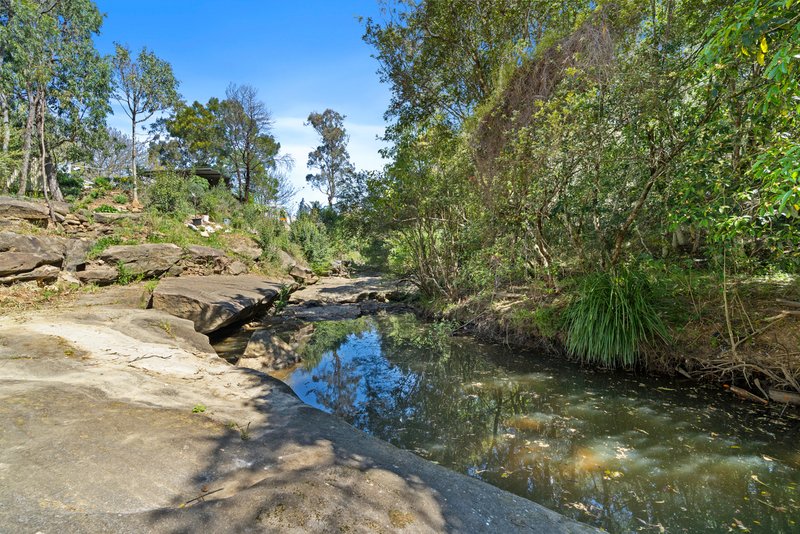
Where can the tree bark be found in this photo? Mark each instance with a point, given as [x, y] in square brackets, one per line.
[26, 144]
[43, 154]
[133, 160]
[51, 175]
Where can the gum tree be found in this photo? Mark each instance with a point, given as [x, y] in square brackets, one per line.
[143, 87]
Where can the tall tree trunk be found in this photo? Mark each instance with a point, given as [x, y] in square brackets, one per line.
[133, 161]
[51, 173]
[26, 144]
[43, 153]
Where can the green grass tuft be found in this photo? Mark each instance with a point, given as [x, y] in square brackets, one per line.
[611, 318]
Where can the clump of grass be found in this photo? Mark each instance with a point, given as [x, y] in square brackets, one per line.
[244, 431]
[126, 276]
[199, 408]
[612, 317]
[101, 244]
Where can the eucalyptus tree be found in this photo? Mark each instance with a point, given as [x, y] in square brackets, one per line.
[331, 157]
[143, 86]
[251, 151]
[57, 76]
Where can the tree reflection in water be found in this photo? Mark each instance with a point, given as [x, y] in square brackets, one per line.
[609, 449]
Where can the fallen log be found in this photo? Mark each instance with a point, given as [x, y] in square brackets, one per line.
[744, 394]
[784, 396]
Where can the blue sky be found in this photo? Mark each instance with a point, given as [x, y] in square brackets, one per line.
[302, 56]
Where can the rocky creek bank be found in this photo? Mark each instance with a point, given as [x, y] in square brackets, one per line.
[124, 419]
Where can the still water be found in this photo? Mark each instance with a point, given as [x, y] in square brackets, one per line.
[623, 452]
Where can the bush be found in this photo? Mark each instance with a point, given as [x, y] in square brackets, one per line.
[102, 183]
[105, 208]
[122, 198]
[219, 203]
[168, 194]
[71, 184]
[611, 318]
[312, 238]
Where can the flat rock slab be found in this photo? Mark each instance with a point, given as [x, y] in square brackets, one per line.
[150, 259]
[338, 290]
[99, 435]
[214, 302]
[23, 209]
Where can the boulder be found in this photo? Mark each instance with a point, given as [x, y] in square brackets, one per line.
[99, 274]
[13, 263]
[144, 260]
[53, 247]
[286, 260]
[237, 268]
[69, 278]
[200, 253]
[267, 352]
[76, 251]
[217, 301]
[304, 275]
[248, 249]
[43, 273]
[18, 208]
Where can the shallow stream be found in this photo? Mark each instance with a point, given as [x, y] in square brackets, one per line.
[624, 452]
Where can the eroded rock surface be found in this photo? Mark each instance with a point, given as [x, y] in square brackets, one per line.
[214, 302]
[149, 260]
[99, 435]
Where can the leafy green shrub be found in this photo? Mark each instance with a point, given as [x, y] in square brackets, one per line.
[102, 183]
[126, 276]
[312, 238]
[122, 198]
[105, 208]
[168, 194]
[71, 185]
[612, 317]
[219, 203]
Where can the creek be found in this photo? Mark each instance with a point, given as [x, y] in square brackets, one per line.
[623, 452]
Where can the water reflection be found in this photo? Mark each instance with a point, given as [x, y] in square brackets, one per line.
[625, 453]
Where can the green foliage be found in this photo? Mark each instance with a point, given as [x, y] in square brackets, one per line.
[199, 408]
[283, 299]
[543, 321]
[170, 193]
[312, 237]
[122, 198]
[105, 208]
[219, 203]
[101, 244]
[102, 183]
[71, 184]
[612, 317]
[126, 276]
[331, 157]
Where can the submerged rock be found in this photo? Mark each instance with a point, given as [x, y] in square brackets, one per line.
[267, 352]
